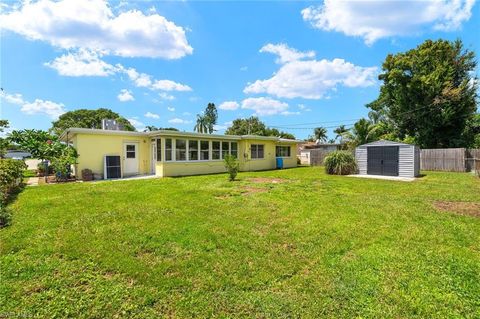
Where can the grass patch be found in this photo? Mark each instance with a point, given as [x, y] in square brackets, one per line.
[312, 245]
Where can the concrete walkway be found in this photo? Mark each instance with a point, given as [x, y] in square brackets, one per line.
[388, 178]
[32, 181]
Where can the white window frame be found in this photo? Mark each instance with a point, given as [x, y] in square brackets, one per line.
[283, 146]
[251, 152]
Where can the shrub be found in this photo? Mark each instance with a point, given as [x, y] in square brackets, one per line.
[232, 165]
[5, 216]
[41, 168]
[11, 175]
[340, 163]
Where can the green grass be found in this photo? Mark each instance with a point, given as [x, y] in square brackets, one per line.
[29, 173]
[315, 246]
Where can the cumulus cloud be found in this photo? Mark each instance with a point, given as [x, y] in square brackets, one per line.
[171, 108]
[285, 53]
[49, 108]
[168, 85]
[312, 79]
[264, 106]
[39, 106]
[229, 105]
[166, 96]
[125, 96]
[152, 115]
[373, 20]
[139, 126]
[81, 63]
[179, 121]
[92, 25]
[145, 80]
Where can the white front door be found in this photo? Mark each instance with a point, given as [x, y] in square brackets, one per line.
[153, 157]
[130, 161]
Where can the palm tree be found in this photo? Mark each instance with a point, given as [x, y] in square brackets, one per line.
[320, 134]
[363, 131]
[340, 131]
[202, 124]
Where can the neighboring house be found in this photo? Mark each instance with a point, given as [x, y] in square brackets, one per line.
[171, 153]
[305, 149]
[14, 154]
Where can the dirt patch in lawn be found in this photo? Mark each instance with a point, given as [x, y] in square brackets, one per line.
[267, 180]
[246, 190]
[461, 208]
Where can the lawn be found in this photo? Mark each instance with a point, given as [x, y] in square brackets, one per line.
[302, 245]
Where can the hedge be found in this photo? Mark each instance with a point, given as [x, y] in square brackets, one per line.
[11, 175]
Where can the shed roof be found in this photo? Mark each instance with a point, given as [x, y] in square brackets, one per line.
[385, 143]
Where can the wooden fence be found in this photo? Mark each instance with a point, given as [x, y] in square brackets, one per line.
[449, 159]
[317, 156]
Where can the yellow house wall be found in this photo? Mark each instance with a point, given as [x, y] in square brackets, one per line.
[92, 149]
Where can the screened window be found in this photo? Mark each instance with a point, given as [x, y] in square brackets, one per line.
[215, 150]
[225, 149]
[168, 149]
[193, 150]
[131, 151]
[180, 150]
[256, 151]
[204, 150]
[282, 151]
[234, 149]
[159, 150]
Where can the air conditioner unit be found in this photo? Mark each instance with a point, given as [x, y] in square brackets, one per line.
[112, 167]
[111, 125]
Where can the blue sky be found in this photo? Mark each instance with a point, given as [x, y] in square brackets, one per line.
[295, 64]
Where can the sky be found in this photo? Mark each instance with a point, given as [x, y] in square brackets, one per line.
[295, 64]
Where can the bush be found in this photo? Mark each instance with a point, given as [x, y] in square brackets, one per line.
[5, 216]
[41, 169]
[232, 165]
[340, 163]
[11, 175]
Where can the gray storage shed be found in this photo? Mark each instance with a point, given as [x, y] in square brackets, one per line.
[388, 158]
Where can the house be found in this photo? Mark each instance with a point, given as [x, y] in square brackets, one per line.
[305, 149]
[116, 154]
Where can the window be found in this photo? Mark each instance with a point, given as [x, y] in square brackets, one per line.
[215, 150]
[204, 150]
[159, 150]
[282, 151]
[180, 150]
[193, 150]
[256, 151]
[168, 149]
[233, 149]
[131, 151]
[225, 149]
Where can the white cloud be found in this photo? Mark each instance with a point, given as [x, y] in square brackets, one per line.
[373, 20]
[229, 105]
[244, 68]
[186, 113]
[287, 113]
[152, 115]
[223, 127]
[81, 63]
[285, 53]
[168, 85]
[139, 126]
[179, 121]
[171, 108]
[49, 108]
[264, 106]
[304, 108]
[16, 98]
[313, 79]
[165, 96]
[125, 96]
[91, 24]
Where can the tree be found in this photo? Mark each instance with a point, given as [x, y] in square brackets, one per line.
[320, 134]
[150, 128]
[211, 115]
[429, 93]
[3, 141]
[202, 124]
[84, 118]
[253, 126]
[363, 131]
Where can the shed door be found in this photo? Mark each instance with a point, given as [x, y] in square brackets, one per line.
[382, 160]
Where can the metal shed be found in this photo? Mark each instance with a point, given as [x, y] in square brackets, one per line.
[388, 158]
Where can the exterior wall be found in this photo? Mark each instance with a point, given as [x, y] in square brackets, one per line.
[92, 149]
[361, 158]
[406, 161]
[305, 157]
